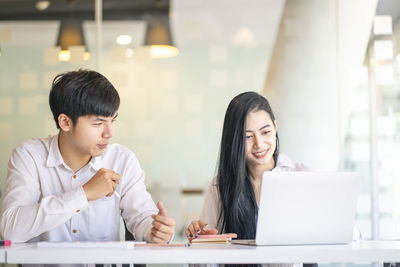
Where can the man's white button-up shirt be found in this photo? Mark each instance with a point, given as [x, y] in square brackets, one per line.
[44, 200]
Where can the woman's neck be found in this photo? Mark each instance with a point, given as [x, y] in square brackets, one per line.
[256, 173]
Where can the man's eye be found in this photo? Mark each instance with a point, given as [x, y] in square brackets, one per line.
[97, 124]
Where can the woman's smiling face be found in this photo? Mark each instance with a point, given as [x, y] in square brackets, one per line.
[260, 139]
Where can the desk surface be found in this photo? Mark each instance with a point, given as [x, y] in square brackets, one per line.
[2, 255]
[358, 252]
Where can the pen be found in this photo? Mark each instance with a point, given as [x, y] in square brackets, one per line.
[5, 242]
[118, 196]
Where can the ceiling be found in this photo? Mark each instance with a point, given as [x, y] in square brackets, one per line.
[193, 22]
[389, 7]
[84, 9]
[118, 9]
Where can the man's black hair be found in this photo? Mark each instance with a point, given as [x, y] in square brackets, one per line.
[80, 93]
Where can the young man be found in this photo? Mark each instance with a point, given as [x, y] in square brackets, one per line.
[76, 185]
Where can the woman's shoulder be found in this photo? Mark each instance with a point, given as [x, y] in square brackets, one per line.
[284, 163]
[212, 190]
[213, 184]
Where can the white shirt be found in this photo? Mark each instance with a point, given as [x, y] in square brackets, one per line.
[44, 199]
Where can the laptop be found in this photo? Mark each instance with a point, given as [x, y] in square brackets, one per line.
[306, 208]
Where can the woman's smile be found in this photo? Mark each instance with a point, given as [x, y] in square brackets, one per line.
[260, 154]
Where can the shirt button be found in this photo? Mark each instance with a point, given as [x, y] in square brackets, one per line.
[78, 210]
[74, 231]
[74, 176]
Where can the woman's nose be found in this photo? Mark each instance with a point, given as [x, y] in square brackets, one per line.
[257, 141]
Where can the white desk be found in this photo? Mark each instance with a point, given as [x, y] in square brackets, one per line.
[361, 252]
[2, 255]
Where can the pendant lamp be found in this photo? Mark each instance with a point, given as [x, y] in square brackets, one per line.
[70, 34]
[158, 37]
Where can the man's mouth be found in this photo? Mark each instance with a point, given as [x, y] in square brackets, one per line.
[102, 146]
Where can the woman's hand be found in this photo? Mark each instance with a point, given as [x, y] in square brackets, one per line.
[199, 227]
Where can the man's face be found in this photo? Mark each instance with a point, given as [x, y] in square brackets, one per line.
[91, 134]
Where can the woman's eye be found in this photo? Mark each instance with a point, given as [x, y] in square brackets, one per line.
[266, 132]
[248, 136]
[97, 124]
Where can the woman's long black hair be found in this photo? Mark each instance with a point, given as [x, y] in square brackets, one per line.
[238, 202]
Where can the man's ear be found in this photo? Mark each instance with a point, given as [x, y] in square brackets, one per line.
[65, 122]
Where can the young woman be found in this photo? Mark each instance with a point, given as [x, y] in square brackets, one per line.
[249, 147]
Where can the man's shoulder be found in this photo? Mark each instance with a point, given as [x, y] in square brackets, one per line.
[35, 150]
[118, 157]
[118, 150]
[34, 145]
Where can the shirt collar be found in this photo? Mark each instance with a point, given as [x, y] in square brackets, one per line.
[54, 157]
[284, 163]
[96, 163]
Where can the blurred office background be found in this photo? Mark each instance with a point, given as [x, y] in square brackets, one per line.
[330, 69]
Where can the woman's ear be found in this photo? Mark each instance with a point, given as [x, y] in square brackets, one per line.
[276, 125]
[64, 122]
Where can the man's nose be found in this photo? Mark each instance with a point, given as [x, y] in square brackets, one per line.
[108, 131]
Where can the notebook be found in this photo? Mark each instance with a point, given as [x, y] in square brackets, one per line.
[299, 208]
[218, 238]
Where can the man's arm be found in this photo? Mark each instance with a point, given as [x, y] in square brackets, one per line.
[138, 208]
[24, 213]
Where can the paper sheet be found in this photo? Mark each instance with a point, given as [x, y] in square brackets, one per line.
[88, 244]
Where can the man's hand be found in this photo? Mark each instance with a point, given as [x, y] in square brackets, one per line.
[163, 226]
[103, 183]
